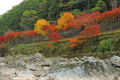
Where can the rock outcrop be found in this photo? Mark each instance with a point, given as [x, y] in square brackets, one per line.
[38, 67]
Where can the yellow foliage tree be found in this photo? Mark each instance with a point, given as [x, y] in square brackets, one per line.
[39, 25]
[64, 19]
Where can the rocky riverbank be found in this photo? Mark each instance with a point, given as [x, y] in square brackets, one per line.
[37, 67]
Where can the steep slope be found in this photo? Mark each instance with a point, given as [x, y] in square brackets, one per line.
[47, 9]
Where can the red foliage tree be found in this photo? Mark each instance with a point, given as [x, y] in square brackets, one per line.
[84, 20]
[88, 18]
[89, 21]
[54, 36]
[10, 36]
[50, 28]
[31, 33]
[4, 37]
[109, 14]
[91, 31]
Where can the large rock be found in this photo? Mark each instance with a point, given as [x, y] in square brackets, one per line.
[116, 61]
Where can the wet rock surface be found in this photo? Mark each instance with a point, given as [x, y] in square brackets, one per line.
[37, 67]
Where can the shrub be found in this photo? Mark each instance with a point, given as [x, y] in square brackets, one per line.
[27, 49]
[105, 45]
[20, 49]
[58, 49]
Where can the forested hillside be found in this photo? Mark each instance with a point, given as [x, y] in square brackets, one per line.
[23, 16]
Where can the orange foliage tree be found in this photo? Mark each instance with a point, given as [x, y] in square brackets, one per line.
[64, 20]
[39, 25]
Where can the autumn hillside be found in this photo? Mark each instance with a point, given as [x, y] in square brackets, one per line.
[72, 28]
[23, 16]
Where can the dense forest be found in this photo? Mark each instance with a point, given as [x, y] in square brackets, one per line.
[23, 16]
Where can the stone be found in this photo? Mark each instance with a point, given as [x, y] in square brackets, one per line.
[31, 66]
[47, 63]
[116, 61]
[60, 60]
[38, 55]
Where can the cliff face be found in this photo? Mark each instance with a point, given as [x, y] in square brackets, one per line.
[38, 67]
